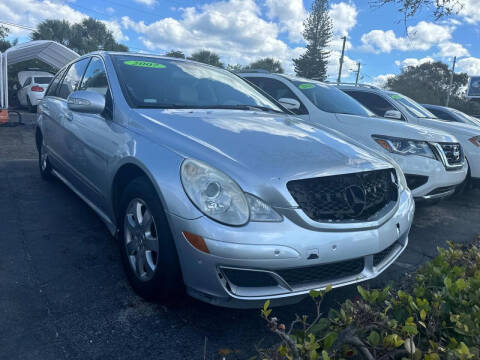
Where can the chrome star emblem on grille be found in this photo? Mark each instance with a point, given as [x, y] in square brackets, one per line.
[356, 198]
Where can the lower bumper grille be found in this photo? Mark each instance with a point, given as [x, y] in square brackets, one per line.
[346, 197]
[415, 181]
[441, 190]
[322, 273]
[382, 255]
[248, 278]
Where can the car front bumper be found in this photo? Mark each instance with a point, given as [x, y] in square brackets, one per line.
[287, 253]
[439, 183]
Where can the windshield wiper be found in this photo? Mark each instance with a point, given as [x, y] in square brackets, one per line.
[240, 107]
[227, 107]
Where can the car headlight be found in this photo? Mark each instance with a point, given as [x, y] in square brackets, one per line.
[402, 146]
[402, 181]
[475, 140]
[217, 196]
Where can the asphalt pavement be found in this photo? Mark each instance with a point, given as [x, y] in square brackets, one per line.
[63, 294]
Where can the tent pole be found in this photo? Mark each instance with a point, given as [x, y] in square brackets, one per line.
[1, 80]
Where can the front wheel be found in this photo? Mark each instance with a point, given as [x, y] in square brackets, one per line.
[44, 164]
[148, 250]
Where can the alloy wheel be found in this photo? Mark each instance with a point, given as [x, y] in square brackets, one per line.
[141, 239]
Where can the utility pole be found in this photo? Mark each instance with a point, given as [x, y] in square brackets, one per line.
[341, 60]
[358, 73]
[451, 81]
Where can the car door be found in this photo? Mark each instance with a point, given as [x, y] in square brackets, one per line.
[22, 93]
[90, 137]
[61, 116]
[46, 110]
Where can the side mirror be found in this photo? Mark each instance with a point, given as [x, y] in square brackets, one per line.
[393, 114]
[289, 103]
[84, 101]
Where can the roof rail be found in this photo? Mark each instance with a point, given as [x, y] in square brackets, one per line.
[354, 85]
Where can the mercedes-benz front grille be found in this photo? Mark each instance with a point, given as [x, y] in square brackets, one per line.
[453, 153]
[346, 197]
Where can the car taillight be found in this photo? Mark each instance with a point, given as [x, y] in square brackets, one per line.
[36, 88]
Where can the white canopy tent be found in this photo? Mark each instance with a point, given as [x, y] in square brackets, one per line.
[49, 52]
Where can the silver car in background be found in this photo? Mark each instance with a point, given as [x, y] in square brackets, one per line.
[211, 187]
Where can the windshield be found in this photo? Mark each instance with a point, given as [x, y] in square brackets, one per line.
[330, 99]
[42, 79]
[466, 118]
[412, 106]
[149, 82]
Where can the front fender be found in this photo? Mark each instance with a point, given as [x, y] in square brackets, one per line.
[162, 167]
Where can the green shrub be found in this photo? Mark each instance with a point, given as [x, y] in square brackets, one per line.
[434, 315]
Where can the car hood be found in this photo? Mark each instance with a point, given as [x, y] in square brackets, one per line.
[460, 130]
[401, 129]
[246, 144]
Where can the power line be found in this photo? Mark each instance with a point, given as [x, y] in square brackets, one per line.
[18, 25]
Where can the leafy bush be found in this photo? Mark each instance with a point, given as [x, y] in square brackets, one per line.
[435, 315]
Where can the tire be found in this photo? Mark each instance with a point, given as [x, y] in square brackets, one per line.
[30, 107]
[465, 185]
[44, 164]
[147, 246]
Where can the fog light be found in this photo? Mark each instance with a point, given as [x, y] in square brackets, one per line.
[196, 241]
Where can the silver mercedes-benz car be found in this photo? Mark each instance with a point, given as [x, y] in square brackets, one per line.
[210, 186]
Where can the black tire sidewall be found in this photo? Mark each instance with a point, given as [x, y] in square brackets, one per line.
[167, 283]
[47, 173]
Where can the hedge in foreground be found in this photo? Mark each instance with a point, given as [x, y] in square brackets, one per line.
[435, 316]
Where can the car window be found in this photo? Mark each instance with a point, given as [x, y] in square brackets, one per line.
[276, 89]
[150, 82]
[43, 80]
[466, 118]
[95, 79]
[412, 106]
[54, 84]
[330, 99]
[72, 78]
[27, 82]
[443, 115]
[372, 101]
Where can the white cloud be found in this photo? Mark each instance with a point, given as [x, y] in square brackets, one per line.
[344, 17]
[413, 61]
[450, 49]
[116, 30]
[146, 2]
[420, 37]
[31, 12]
[470, 11]
[469, 65]
[290, 15]
[381, 80]
[234, 29]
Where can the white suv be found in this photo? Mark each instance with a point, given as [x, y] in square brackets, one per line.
[425, 155]
[402, 109]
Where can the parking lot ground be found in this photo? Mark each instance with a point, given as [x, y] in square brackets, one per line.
[63, 293]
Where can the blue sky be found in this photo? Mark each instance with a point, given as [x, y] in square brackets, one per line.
[241, 31]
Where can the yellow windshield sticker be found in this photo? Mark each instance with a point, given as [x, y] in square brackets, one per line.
[146, 64]
[306, 86]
